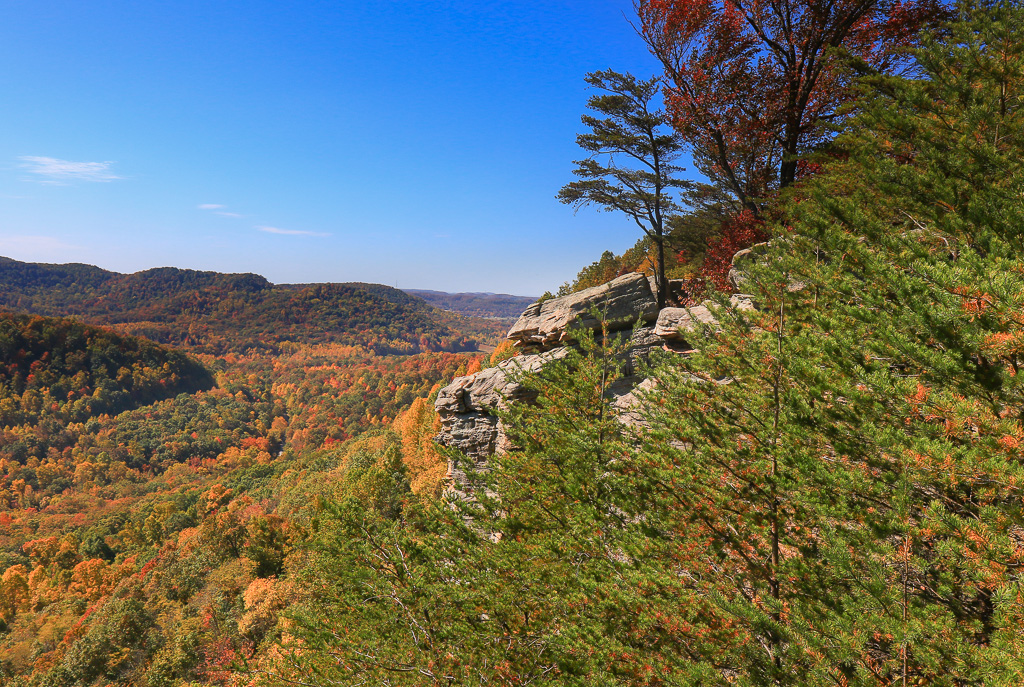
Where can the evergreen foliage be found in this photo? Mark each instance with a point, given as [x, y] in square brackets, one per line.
[630, 168]
[828, 491]
[848, 490]
[540, 585]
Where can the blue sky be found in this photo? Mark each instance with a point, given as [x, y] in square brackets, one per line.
[415, 143]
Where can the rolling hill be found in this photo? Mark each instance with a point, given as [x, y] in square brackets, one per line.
[501, 306]
[216, 313]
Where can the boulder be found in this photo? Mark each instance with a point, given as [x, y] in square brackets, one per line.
[625, 395]
[620, 302]
[742, 261]
[642, 341]
[675, 323]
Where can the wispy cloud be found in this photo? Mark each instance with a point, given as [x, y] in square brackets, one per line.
[51, 170]
[291, 232]
[218, 209]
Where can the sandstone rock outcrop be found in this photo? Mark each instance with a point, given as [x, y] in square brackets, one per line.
[544, 334]
[675, 324]
[466, 408]
[621, 302]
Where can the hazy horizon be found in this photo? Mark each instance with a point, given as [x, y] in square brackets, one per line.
[178, 267]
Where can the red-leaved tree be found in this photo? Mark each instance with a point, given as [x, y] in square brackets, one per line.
[753, 83]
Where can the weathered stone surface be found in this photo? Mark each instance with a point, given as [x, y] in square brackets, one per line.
[475, 434]
[641, 343]
[674, 323]
[741, 302]
[741, 264]
[621, 303]
[737, 276]
[466, 409]
[489, 389]
[625, 398]
[745, 259]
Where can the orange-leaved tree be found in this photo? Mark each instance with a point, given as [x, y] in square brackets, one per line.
[753, 84]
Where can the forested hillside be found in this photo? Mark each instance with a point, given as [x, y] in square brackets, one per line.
[63, 369]
[149, 501]
[216, 313]
[151, 496]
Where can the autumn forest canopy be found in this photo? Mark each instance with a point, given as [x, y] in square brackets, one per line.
[207, 479]
[216, 313]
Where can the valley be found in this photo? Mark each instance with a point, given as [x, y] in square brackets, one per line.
[165, 438]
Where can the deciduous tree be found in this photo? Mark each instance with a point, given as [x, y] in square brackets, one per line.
[753, 84]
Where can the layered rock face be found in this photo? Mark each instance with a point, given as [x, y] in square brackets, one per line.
[466, 408]
[544, 333]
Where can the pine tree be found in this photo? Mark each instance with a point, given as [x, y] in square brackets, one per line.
[631, 165]
[847, 470]
[538, 579]
[924, 267]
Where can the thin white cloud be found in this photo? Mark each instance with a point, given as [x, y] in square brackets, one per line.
[51, 170]
[218, 209]
[290, 232]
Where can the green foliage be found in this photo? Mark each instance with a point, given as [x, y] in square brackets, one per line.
[176, 661]
[696, 241]
[630, 168]
[827, 490]
[835, 459]
[538, 586]
[108, 650]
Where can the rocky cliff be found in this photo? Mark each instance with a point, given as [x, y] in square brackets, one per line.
[543, 334]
